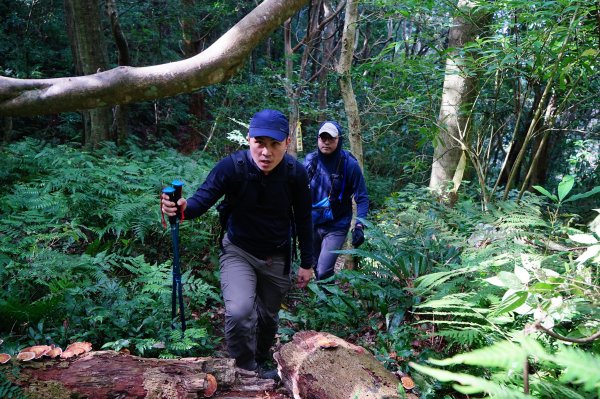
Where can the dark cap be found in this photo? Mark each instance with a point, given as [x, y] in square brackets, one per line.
[269, 123]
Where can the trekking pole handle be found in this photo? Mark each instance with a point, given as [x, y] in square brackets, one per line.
[178, 186]
[172, 194]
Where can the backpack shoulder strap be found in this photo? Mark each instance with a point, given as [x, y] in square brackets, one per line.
[312, 166]
[349, 154]
[290, 174]
[239, 162]
[345, 155]
[232, 198]
[241, 174]
[291, 165]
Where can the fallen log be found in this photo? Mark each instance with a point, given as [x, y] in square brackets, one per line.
[109, 374]
[313, 366]
[318, 365]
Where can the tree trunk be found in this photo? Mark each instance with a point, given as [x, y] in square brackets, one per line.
[295, 88]
[191, 48]
[292, 93]
[318, 365]
[518, 140]
[344, 70]
[108, 374]
[124, 85]
[7, 125]
[89, 53]
[457, 96]
[120, 126]
[540, 149]
[327, 43]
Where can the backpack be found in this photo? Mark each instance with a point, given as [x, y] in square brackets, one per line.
[324, 210]
[312, 167]
[231, 200]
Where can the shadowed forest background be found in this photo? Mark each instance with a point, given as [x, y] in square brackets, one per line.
[477, 124]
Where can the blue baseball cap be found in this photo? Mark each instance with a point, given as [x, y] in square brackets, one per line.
[269, 123]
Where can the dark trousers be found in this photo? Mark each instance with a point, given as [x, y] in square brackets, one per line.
[325, 241]
[253, 290]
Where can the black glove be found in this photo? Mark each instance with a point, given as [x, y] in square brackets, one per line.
[358, 236]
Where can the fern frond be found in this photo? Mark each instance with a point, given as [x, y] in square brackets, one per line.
[506, 355]
[471, 385]
[463, 337]
[579, 367]
[550, 388]
[430, 281]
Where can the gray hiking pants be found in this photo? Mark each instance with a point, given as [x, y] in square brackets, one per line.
[325, 241]
[253, 290]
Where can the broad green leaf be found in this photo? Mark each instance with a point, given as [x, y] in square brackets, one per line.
[583, 238]
[592, 53]
[522, 274]
[531, 262]
[589, 253]
[510, 280]
[546, 193]
[460, 170]
[511, 303]
[576, 197]
[495, 281]
[542, 287]
[565, 186]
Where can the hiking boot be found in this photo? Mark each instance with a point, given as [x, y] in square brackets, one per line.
[267, 373]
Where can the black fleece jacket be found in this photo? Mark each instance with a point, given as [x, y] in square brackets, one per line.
[260, 222]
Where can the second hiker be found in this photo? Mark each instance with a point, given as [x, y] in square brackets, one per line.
[335, 178]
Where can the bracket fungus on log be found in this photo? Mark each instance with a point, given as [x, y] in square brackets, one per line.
[75, 349]
[39, 350]
[26, 356]
[211, 386]
[54, 352]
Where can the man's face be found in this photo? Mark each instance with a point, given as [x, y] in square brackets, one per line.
[267, 152]
[327, 144]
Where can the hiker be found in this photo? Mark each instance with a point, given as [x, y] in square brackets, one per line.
[335, 178]
[266, 198]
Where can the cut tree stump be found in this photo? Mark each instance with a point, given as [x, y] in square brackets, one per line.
[319, 365]
[109, 374]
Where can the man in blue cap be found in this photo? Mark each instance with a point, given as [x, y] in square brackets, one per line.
[267, 197]
[335, 179]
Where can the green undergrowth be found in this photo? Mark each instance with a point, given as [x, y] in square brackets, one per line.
[84, 255]
[500, 302]
[456, 296]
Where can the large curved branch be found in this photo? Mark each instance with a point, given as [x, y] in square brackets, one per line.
[122, 85]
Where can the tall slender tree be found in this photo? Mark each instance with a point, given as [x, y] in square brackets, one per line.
[450, 146]
[344, 68]
[89, 52]
[119, 128]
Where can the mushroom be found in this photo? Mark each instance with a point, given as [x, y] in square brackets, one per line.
[211, 386]
[54, 352]
[39, 350]
[26, 356]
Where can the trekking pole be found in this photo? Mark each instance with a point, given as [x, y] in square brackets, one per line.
[174, 192]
